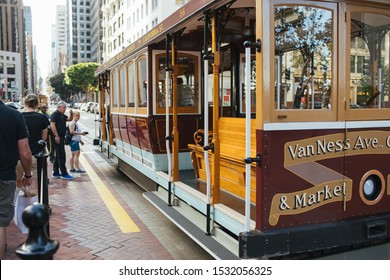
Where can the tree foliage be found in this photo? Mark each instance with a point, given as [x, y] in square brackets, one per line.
[59, 86]
[82, 75]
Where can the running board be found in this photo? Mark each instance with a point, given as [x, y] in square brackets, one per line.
[208, 243]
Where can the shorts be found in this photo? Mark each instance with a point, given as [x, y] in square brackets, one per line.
[74, 146]
[7, 192]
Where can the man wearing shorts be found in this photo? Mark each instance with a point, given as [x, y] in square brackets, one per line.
[13, 146]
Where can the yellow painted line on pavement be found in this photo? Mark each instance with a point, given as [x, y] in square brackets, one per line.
[125, 223]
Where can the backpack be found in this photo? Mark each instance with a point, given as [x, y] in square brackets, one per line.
[68, 135]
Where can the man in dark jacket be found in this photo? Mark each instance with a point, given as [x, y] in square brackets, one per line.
[58, 127]
[13, 146]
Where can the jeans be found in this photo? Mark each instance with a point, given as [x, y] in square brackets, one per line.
[60, 157]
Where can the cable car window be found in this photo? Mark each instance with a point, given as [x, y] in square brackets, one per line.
[161, 84]
[131, 84]
[142, 83]
[186, 80]
[115, 89]
[303, 57]
[122, 91]
[187, 83]
[370, 59]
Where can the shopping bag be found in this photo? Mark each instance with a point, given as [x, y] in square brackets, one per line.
[23, 199]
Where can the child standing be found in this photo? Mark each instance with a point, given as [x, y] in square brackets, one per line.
[75, 143]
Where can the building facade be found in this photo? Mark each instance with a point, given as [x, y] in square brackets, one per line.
[96, 32]
[29, 70]
[11, 75]
[59, 43]
[12, 49]
[124, 21]
[79, 36]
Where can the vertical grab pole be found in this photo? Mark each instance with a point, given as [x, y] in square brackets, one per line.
[216, 181]
[206, 122]
[167, 137]
[248, 160]
[175, 129]
[248, 136]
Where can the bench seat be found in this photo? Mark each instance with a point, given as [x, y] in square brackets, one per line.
[232, 146]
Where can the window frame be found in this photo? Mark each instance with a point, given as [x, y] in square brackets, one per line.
[181, 109]
[131, 88]
[271, 113]
[359, 113]
[114, 83]
[138, 109]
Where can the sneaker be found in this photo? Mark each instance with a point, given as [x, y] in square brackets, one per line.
[73, 170]
[67, 177]
[56, 175]
[80, 171]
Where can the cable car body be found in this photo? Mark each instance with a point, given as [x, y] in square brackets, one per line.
[297, 165]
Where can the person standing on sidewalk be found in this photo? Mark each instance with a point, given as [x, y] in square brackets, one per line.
[50, 137]
[75, 143]
[58, 127]
[13, 146]
[37, 129]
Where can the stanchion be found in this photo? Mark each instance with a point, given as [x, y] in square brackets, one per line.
[38, 245]
[43, 190]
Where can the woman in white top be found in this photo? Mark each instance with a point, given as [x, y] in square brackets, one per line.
[75, 143]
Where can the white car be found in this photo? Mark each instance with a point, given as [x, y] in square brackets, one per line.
[84, 107]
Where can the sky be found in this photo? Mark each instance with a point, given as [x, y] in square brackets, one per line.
[43, 17]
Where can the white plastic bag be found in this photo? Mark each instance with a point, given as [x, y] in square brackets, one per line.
[21, 202]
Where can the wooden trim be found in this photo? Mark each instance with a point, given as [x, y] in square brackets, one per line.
[297, 115]
[363, 113]
[197, 90]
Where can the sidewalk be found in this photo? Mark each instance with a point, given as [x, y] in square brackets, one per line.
[84, 222]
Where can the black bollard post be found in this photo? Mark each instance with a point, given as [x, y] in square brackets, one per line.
[43, 190]
[38, 245]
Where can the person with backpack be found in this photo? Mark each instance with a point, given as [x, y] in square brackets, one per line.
[75, 142]
[58, 121]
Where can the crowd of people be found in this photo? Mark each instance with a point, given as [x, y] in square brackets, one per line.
[19, 139]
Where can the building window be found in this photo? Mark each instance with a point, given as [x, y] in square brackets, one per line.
[11, 69]
[154, 22]
[154, 4]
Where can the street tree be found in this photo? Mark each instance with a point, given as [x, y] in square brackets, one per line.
[82, 75]
[59, 86]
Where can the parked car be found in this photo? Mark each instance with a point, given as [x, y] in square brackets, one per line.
[84, 107]
[14, 105]
[94, 108]
[77, 106]
[89, 105]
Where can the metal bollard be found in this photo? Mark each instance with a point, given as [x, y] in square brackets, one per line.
[43, 190]
[38, 245]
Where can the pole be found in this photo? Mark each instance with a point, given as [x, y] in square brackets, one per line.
[43, 190]
[206, 123]
[168, 138]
